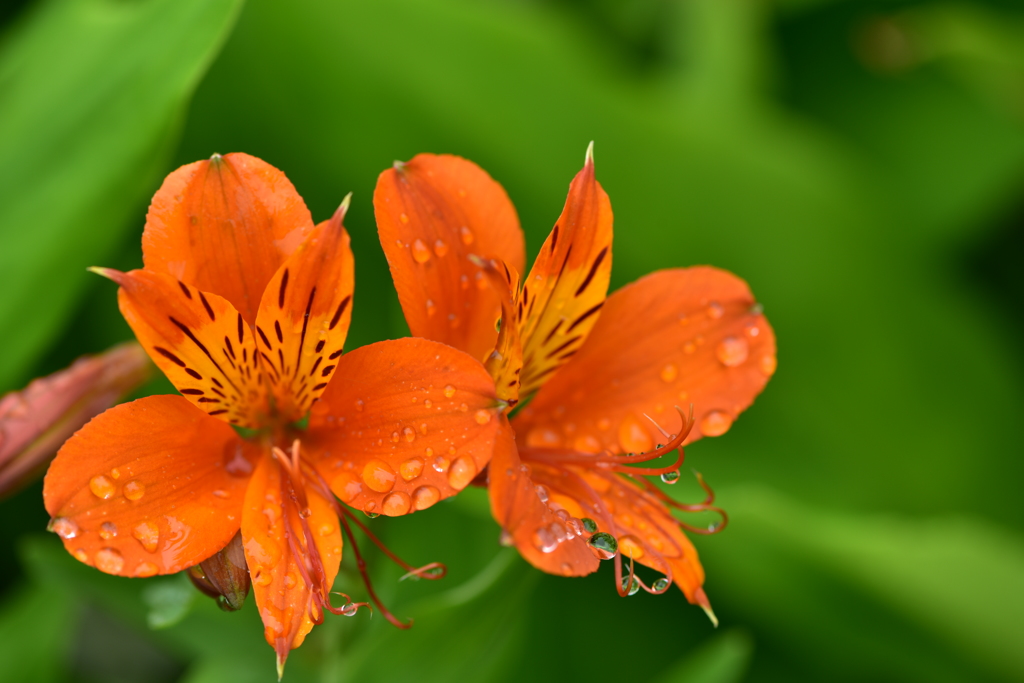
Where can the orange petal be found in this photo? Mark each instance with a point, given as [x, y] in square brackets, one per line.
[407, 423]
[288, 578]
[562, 296]
[505, 362]
[225, 226]
[198, 340]
[645, 529]
[148, 487]
[304, 317]
[530, 516]
[432, 213]
[673, 338]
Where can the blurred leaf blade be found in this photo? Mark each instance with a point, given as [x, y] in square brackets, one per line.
[92, 95]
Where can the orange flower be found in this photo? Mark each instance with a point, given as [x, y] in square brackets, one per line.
[245, 305]
[603, 375]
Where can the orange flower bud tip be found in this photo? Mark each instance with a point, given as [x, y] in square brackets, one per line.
[589, 160]
[701, 598]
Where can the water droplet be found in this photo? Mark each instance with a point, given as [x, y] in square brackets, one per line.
[732, 351]
[768, 365]
[689, 347]
[631, 546]
[630, 588]
[146, 569]
[715, 423]
[463, 408]
[604, 545]
[466, 234]
[604, 424]
[482, 417]
[449, 391]
[305, 513]
[221, 493]
[360, 405]
[431, 308]
[670, 477]
[109, 560]
[148, 535]
[395, 437]
[462, 472]
[543, 437]
[235, 462]
[589, 525]
[544, 540]
[424, 497]
[107, 530]
[427, 403]
[632, 436]
[440, 248]
[715, 310]
[464, 281]
[587, 443]
[542, 493]
[420, 253]
[263, 578]
[669, 373]
[753, 330]
[81, 555]
[101, 486]
[326, 529]
[506, 539]
[115, 473]
[289, 580]
[379, 476]
[411, 468]
[403, 218]
[440, 464]
[64, 527]
[370, 509]
[409, 433]
[347, 486]
[396, 503]
[661, 584]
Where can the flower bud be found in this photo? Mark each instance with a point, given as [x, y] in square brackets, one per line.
[224, 576]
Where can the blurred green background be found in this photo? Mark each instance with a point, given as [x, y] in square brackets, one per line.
[861, 164]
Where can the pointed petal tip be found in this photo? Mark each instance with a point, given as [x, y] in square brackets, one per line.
[701, 598]
[108, 273]
[398, 165]
[342, 209]
[589, 160]
[216, 158]
[282, 656]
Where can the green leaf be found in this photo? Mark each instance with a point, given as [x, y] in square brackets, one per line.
[35, 627]
[169, 600]
[930, 595]
[92, 98]
[723, 659]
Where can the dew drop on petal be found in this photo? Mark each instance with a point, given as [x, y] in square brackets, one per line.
[732, 351]
[101, 486]
[147, 534]
[325, 529]
[379, 476]
[768, 365]
[669, 373]
[715, 423]
[466, 234]
[603, 545]
[409, 433]
[107, 530]
[347, 486]
[360, 405]
[482, 417]
[449, 391]
[146, 569]
[115, 473]
[544, 540]
[425, 496]
[221, 493]
[440, 464]
[411, 468]
[64, 527]
[461, 473]
[586, 443]
[396, 503]
[463, 408]
[109, 560]
[440, 248]
[81, 555]
[431, 308]
[589, 525]
[631, 546]
[633, 438]
[689, 347]
[543, 437]
[715, 310]
[542, 493]
[404, 218]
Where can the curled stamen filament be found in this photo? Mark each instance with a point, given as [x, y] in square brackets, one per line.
[707, 505]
